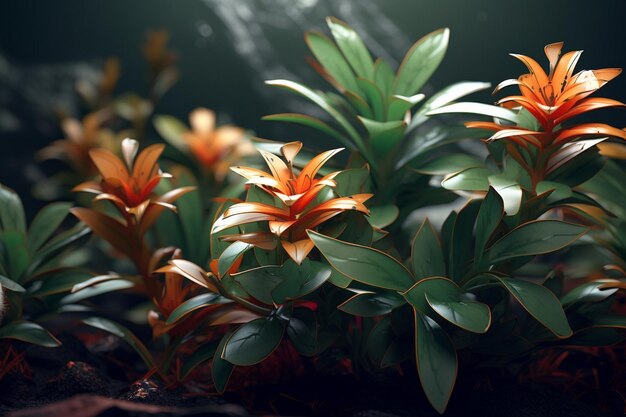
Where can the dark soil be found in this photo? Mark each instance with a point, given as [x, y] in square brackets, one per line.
[71, 381]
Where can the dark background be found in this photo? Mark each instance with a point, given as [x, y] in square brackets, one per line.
[228, 47]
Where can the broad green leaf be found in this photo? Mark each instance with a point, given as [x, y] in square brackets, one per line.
[489, 216]
[472, 316]
[540, 302]
[399, 105]
[171, 129]
[97, 289]
[448, 164]
[374, 98]
[470, 179]
[221, 370]
[383, 136]
[300, 280]
[351, 181]
[338, 279]
[324, 105]
[420, 62]
[45, 223]
[384, 77]
[10, 284]
[29, 332]
[16, 254]
[361, 106]
[478, 109]
[58, 282]
[11, 211]
[254, 341]
[510, 191]
[382, 216]
[259, 282]
[445, 96]
[230, 256]
[439, 287]
[371, 304]
[535, 238]
[123, 333]
[426, 255]
[379, 339]
[592, 292]
[352, 47]
[436, 359]
[193, 304]
[332, 60]
[309, 121]
[363, 264]
[198, 357]
[460, 244]
[302, 331]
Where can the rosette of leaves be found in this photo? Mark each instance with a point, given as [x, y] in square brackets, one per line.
[458, 288]
[378, 112]
[33, 275]
[264, 279]
[535, 153]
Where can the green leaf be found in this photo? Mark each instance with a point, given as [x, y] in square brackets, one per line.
[171, 129]
[593, 292]
[338, 279]
[479, 109]
[540, 302]
[10, 284]
[399, 105]
[426, 255]
[45, 223]
[352, 47]
[509, 190]
[254, 341]
[369, 304]
[436, 359]
[448, 164]
[230, 256]
[383, 77]
[58, 282]
[198, 357]
[383, 136]
[383, 216]
[420, 62]
[29, 332]
[470, 179]
[123, 333]
[445, 96]
[221, 370]
[16, 253]
[98, 289]
[259, 282]
[535, 238]
[379, 340]
[489, 216]
[11, 211]
[331, 59]
[58, 244]
[302, 331]
[350, 181]
[309, 121]
[300, 280]
[326, 106]
[363, 264]
[374, 97]
[438, 287]
[469, 315]
[193, 304]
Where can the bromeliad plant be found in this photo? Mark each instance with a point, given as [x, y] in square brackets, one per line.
[35, 276]
[263, 276]
[534, 154]
[376, 113]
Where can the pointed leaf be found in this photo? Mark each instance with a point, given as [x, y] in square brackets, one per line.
[254, 341]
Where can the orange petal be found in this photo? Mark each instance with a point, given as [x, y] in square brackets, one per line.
[310, 170]
[290, 150]
[564, 70]
[109, 165]
[539, 77]
[553, 51]
[299, 250]
[588, 129]
[279, 169]
[145, 167]
[263, 240]
[188, 270]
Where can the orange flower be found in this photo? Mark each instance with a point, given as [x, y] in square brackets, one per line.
[80, 138]
[215, 148]
[156, 53]
[128, 184]
[555, 98]
[289, 221]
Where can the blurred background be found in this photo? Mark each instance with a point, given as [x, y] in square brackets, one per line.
[227, 48]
